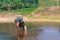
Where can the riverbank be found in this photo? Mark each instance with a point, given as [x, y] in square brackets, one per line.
[11, 17]
[26, 19]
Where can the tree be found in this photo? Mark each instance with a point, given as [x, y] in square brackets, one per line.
[17, 4]
[6, 4]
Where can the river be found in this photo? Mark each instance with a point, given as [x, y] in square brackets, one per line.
[35, 31]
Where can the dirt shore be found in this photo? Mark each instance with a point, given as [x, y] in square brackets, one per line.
[11, 19]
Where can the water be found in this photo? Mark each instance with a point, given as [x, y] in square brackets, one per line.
[45, 33]
[2, 37]
[36, 31]
[49, 34]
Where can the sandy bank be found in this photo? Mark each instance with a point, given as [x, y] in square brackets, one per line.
[3, 20]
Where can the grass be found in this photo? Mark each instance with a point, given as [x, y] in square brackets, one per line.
[23, 11]
[27, 10]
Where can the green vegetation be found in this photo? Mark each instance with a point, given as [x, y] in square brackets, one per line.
[27, 10]
[23, 11]
[22, 6]
[25, 6]
[48, 3]
[17, 4]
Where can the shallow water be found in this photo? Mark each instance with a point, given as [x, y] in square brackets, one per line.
[36, 31]
[45, 33]
[2, 37]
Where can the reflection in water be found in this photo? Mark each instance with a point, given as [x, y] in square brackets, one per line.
[47, 33]
[44, 32]
[59, 30]
[21, 34]
[4, 36]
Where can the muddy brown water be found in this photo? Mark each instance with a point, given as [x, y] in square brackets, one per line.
[35, 31]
